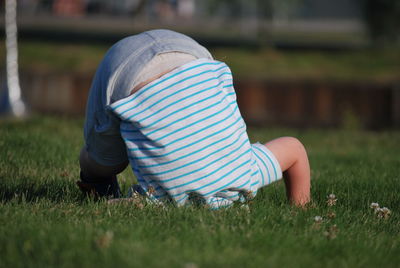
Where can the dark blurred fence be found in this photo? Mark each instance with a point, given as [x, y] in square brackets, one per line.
[301, 103]
[306, 103]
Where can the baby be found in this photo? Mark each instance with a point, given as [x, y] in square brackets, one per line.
[162, 103]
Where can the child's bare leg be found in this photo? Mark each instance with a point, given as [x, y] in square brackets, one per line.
[293, 160]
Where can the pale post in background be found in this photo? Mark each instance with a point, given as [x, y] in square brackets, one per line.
[17, 107]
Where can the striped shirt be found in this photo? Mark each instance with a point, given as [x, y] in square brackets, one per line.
[187, 142]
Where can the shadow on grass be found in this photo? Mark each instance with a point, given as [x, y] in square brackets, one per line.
[28, 190]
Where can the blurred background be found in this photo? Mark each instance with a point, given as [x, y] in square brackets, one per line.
[301, 63]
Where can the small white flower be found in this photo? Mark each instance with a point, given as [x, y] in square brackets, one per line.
[386, 210]
[317, 219]
[383, 212]
[374, 206]
[331, 232]
[379, 212]
[331, 200]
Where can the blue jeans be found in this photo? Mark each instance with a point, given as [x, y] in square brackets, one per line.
[114, 80]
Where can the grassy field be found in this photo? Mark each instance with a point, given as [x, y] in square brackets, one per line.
[45, 222]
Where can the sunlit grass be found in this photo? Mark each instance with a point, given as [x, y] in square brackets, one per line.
[46, 222]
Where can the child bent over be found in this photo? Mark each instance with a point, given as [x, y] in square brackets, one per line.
[162, 103]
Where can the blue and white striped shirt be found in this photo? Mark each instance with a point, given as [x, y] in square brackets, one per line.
[186, 139]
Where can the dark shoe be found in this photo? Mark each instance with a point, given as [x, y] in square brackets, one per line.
[107, 187]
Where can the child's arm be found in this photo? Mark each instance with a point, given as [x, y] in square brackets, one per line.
[293, 160]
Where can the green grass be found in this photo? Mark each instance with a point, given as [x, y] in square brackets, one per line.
[361, 65]
[381, 65]
[44, 57]
[45, 222]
